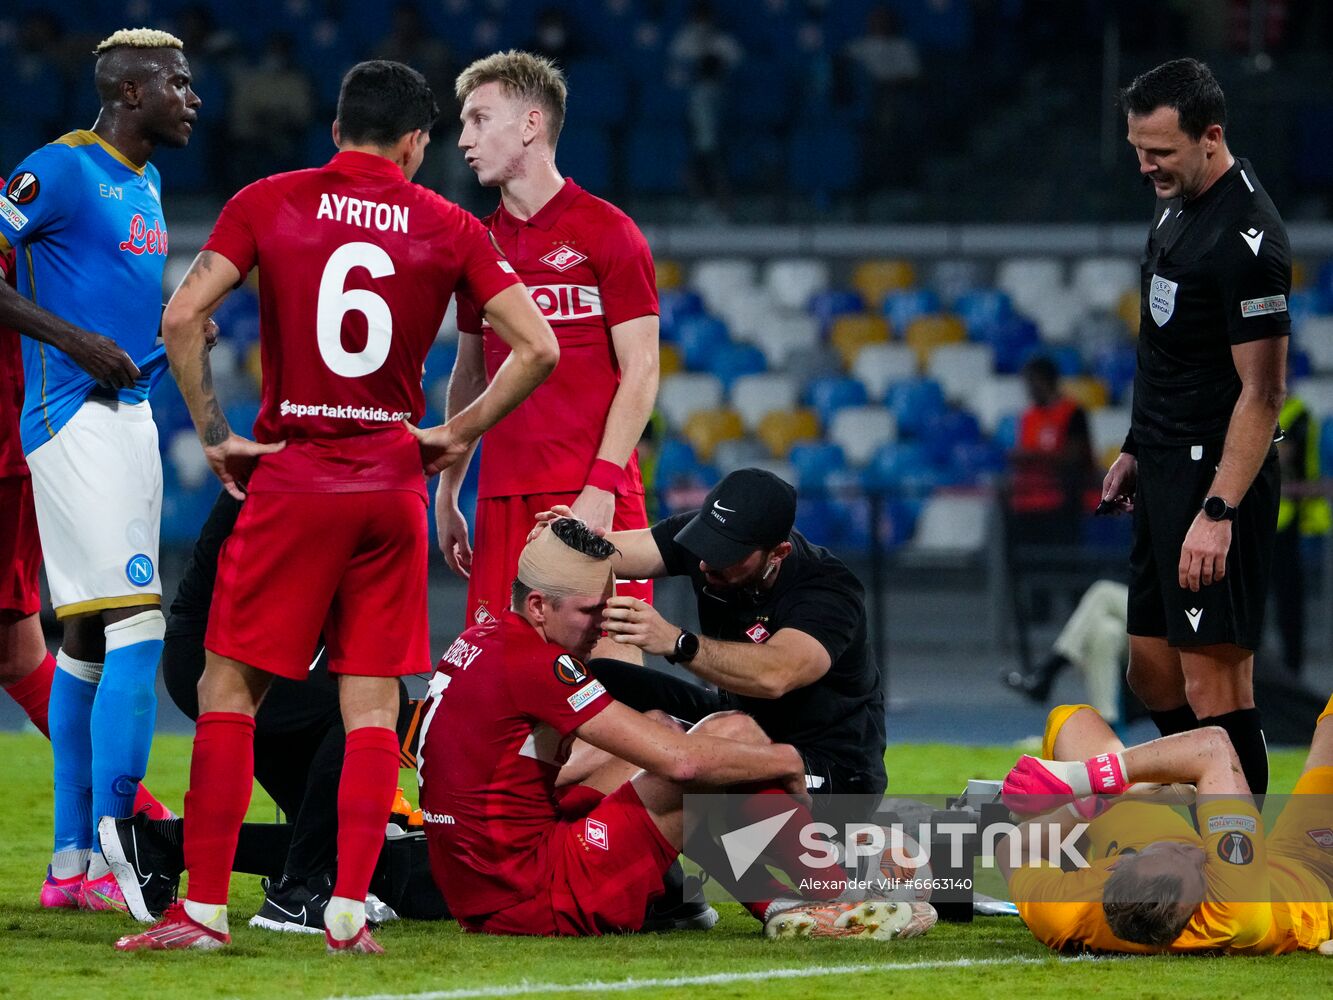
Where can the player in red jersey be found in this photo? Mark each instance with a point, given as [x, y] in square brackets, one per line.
[518, 843]
[356, 266]
[590, 272]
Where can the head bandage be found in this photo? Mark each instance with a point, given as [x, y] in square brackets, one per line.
[549, 565]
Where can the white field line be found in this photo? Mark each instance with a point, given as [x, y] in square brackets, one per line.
[525, 988]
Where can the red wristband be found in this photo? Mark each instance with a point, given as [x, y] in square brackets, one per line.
[1106, 773]
[607, 476]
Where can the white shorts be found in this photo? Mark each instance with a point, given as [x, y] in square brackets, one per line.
[98, 491]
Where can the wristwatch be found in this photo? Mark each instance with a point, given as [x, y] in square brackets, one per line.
[1217, 509]
[687, 647]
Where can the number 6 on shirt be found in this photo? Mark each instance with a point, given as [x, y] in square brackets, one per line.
[335, 301]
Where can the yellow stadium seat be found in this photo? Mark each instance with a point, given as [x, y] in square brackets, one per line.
[851, 333]
[1128, 310]
[1109, 456]
[781, 429]
[1087, 391]
[1300, 274]
[669, 274]
[254, 365]
[876, 278]
[706, 429]
[925, 333]
[668, 360]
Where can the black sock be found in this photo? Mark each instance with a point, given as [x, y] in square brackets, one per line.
[1175, 720]
[1247, 736]
[170, 830]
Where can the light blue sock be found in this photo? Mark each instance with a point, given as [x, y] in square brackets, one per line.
[125, 713]
[73, 688]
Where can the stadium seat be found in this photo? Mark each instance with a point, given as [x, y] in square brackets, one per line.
[791, 282]
[738, 453]
[959, 368]
[997, 397]
[674, 306]
[1326, 448]
[1129, 310]
[698, 337]
[982, 309]
[732, 361]
[1088, 391]
[826, 306]
[1116, 366]
[793, 336]
[823, 159]
[675, 461]
[680, 395]
[187, 458]
[1315, 337]
[914, 403]
[904, 307]
[814, 463]
[782, 429]
[656, 158]
[586, 155]
[944, 429]
[926, 333]
[706, 429]
[759, 95]
[829, 394]
[669, 274]
[601, 90]
[979, 462]
[952, 279]
[1012, 341]
[1317, 393]
[1005, 434]
[1100, 281]
[1028, 280]
[860, 431]
[1057, 314]
[749, 312]
[1107, 428]
[951, 525]
[878, 366]
[819, 520]
[717, 278]
[753, 396]
[874, 279]
[850, 334]
[668, 360]
[1067, 359]
[898, 467]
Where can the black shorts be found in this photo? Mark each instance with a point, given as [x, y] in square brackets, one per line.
[1173, 484]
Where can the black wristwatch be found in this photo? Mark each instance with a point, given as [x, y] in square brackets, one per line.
[1217, 509]
[687, 647]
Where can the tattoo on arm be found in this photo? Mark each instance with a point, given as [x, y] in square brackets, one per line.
[216, 429]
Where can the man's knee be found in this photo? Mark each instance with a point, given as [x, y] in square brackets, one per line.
[731, 726]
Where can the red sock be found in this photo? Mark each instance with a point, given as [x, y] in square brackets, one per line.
[146, 802]
[365, 795]
[222, 772]
[33, 693]
[786, 848]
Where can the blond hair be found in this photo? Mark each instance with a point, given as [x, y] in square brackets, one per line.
[520, 75]
[139, 38]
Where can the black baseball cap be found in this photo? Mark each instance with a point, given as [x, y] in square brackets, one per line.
[750, 509]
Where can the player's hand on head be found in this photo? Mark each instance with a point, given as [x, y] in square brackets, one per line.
[234, 458]
[547, 516]
[451, 527]
[103, 359]
[595, 508]
[1203, 556]
[635, 622]
[440, 447]
[1120, 482]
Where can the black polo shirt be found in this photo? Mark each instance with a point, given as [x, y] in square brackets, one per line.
[1216, 271]
[839, 719]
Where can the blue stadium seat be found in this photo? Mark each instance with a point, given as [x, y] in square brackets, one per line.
[699, 336]
[1115, 366]
[1067, 358]
[819, 520]
[673, 306]
[241, 414]
[1012, 339]
[914, 403]
[814, 463]
[828, 306]
[829, 394]
[169, 410]
[911, 303]
[586, 156]
[1302, 305]
[676, 459]
[440, 362]
[1323, 284]
[981, 309]
[656, 159]
[978, 461]
[184, 511]
[598, 91]
[1006, 432]
[943, 430]
[191, 169]
[1298, 364]
[732, 361]
[823, 160]
[895, 464]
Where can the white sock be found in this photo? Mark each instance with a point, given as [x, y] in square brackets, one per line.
[778, 906]
[70, 863]
[97, 866]
[344, 917]
[211, 915]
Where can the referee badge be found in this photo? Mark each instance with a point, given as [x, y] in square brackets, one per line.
[1162, 299]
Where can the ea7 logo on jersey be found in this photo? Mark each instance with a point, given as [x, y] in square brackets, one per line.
[23, 188]
[1162, 299]
[562, 258]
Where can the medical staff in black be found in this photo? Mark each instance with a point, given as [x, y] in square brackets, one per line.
[1199, 469]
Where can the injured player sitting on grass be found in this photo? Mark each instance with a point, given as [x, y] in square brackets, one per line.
[1154, 882]
[516, 850]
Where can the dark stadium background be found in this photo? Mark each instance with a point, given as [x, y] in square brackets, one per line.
[817, 179]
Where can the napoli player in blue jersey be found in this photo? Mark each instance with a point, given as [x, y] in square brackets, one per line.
[84, 217]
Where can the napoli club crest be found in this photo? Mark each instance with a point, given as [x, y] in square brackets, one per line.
[1162, 299]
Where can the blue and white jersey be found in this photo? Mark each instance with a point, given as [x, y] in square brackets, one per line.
[91, 246]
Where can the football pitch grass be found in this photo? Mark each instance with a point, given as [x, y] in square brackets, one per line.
[61, 954]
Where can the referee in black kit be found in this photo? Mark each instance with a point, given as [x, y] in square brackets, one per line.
[1199, 468]
[783, 627]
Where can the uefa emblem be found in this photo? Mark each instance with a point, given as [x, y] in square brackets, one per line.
[1162, 299]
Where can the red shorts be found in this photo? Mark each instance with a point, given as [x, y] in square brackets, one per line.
[349, 565]
[606, 866]
[20, 548]
[501, 531]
